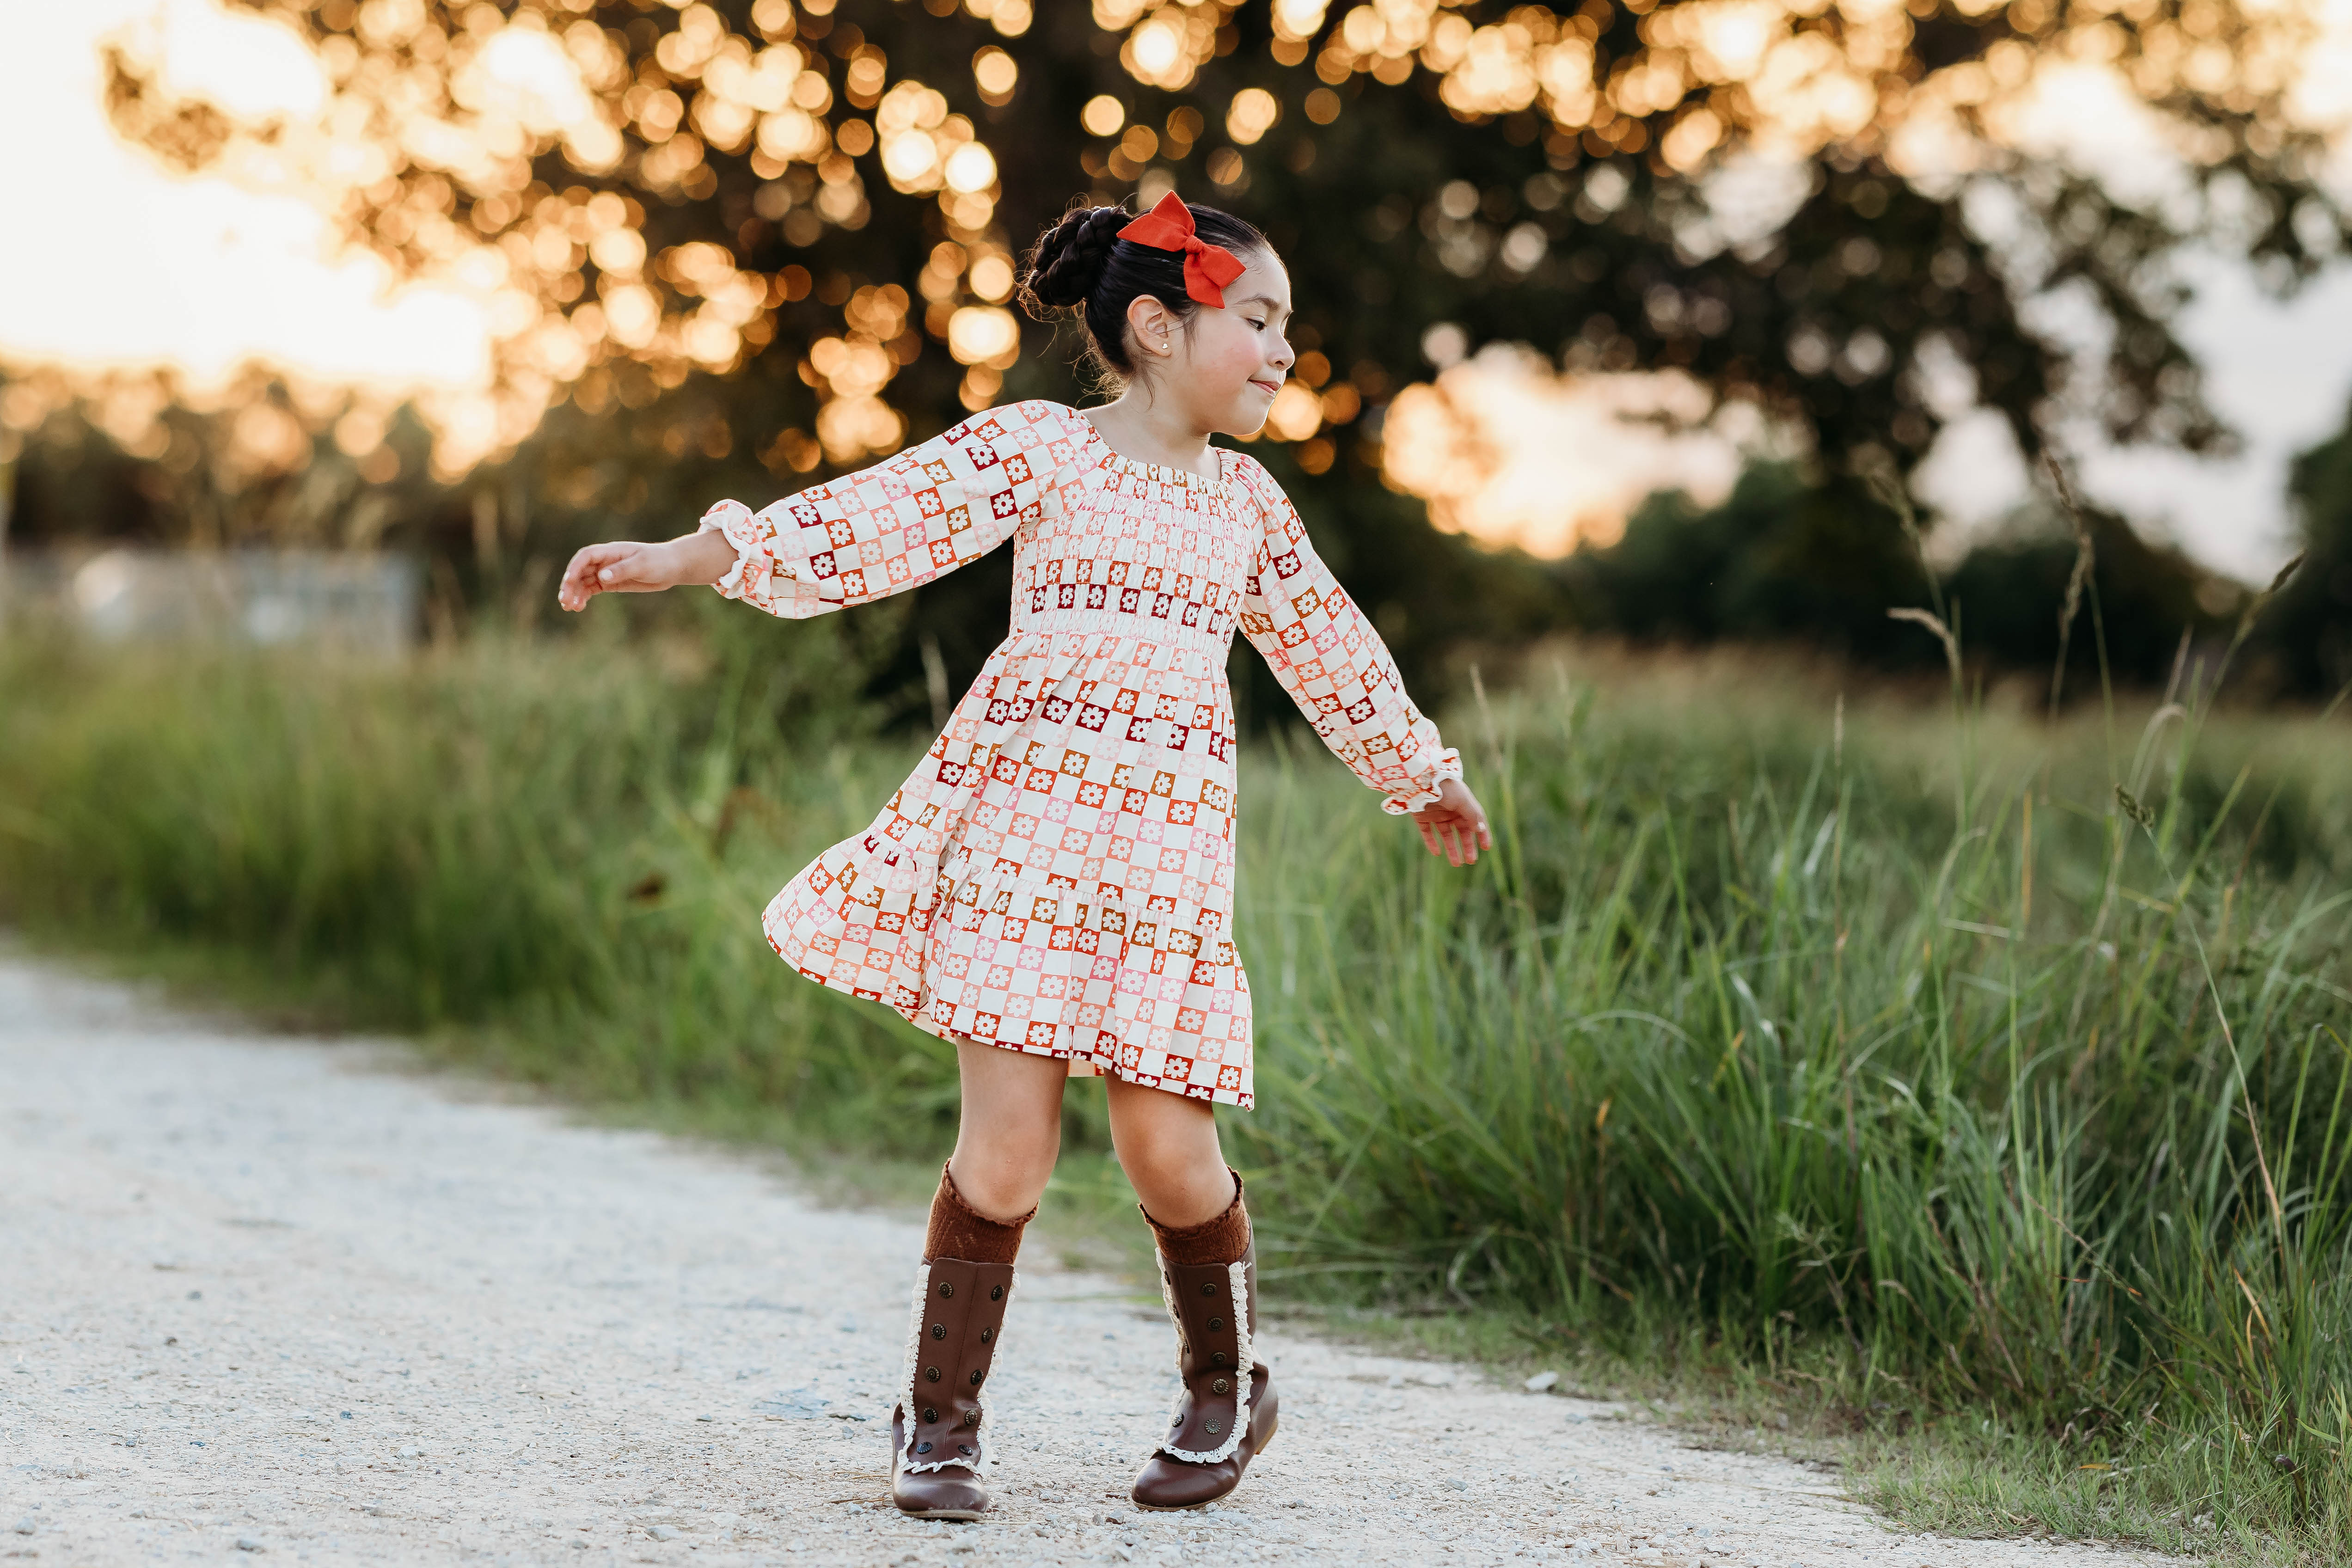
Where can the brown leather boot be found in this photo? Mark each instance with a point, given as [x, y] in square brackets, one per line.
[1225, 1413]
[939, 1429]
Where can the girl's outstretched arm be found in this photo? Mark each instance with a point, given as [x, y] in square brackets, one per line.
[906, 520]
[627, 568]
[1324, 651]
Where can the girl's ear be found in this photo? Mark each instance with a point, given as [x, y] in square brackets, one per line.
[1155, 326]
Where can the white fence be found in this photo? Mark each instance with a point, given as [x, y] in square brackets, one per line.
[263, 597]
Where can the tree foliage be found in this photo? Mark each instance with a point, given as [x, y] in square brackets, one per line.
[2307, 629]
[736, 245]
[1791, 556]
[817, 199]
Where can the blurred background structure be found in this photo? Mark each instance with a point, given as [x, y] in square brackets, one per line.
[367, 600]
[1619, 318]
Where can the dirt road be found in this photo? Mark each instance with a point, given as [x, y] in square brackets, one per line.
[292, 1298]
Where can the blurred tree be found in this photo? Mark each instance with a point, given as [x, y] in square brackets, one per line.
[1786, 556]
[2305, 632]
[2009, 595]
[742, 233]
[1794, 556]
[75, 473]
[134, 458]
[805, 197]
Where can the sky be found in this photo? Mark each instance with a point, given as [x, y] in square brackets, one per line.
[139, 267]
[2278, 373]
[142, 267]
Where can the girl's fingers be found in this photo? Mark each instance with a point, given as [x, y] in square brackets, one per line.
[614, 568]
[1458, 835]
[587, 575]
[567, 590]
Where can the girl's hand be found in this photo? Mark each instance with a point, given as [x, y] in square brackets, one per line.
[628, 568]
[622, 567]
[1455, 826]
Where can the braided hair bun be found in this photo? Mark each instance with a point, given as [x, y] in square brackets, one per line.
[1068, 261]
[1082, 267]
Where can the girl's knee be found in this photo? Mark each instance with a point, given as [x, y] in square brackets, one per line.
[1003, 1171]
[1028, 1150]
[1010, 1137]
[1153, 1157]
[997, 1190]
[1154, 1165]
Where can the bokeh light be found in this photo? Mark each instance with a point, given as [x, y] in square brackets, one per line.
[1505, 449]
[1103, 115]
[487, 285]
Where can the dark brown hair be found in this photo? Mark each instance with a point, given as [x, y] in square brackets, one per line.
[1081, 265]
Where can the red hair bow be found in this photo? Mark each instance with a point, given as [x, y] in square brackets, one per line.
[1207, 267]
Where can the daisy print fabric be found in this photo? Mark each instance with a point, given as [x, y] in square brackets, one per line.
[1057, 875]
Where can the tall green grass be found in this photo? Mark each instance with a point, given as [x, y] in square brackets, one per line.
[1959, 1067]
[1992, 1080]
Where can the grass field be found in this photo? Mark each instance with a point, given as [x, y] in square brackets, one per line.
[1967, 1087]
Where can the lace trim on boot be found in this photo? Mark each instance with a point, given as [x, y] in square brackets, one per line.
[909, 1404]
[1237, 1277]
[987, 1416]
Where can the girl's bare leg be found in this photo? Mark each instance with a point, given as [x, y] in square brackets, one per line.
[1005, 1150]
[1011, 1129]
[1168, 1146]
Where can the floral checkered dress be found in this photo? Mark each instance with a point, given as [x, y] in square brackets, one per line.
[1057, 875]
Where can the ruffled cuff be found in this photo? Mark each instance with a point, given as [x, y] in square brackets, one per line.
[1425, 793]
[732, 521]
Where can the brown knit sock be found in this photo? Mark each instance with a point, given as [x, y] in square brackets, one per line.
[958, 1230]
[1221, 1240]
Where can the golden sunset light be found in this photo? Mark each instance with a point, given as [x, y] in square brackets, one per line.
[199, 274]
[244, 262]
[1508, 451]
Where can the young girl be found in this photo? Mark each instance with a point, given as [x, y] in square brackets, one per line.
[1053, 888]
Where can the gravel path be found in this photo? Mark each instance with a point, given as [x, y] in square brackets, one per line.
[290, 1296]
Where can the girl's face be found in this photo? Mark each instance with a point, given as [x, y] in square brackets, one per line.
[1225, 369]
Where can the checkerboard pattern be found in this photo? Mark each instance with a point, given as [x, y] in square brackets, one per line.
[1056, 878]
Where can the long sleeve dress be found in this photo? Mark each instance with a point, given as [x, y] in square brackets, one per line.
[1057, 875]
